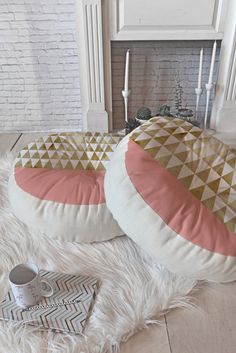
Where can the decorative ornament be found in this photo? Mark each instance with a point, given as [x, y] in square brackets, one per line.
[185, 113]
[143, 113]
[131, 124]
[164, 110]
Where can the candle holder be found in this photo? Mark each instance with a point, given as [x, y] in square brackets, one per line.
[209, 87]
[198, 92]
[125, 94]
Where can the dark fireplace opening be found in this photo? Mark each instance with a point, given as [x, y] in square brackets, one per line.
[154, 67]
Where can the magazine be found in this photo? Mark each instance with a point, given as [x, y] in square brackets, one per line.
[67, 310]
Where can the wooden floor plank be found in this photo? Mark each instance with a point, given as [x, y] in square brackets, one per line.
[228, 138]
[154, 339]
[7, 141]
[25, 139]
[211, 329]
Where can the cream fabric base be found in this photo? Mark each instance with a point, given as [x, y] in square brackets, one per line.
[65, 222]
[170, 249]
[135, 291]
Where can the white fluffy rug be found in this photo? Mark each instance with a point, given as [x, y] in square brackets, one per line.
[135, 291]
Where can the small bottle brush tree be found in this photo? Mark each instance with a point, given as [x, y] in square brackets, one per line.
[183, 113]
[178, 95]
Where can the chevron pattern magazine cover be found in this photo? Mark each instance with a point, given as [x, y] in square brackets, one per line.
[67, 310]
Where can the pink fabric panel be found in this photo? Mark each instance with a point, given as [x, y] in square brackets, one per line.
[178, 208]
[77, 187]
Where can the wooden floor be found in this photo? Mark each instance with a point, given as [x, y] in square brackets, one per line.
[210, 328]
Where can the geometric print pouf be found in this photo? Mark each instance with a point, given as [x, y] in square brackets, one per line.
[57, 186]
[172, 189]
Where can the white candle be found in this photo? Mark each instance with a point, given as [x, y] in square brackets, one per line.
[200, 69]
[126, 71]
[212, 63]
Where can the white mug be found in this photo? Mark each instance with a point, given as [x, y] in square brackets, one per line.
[26, 285]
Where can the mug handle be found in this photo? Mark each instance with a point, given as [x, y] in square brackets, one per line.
[44, 292]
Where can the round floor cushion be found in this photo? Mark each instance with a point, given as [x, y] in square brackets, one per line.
[172, 188]
[57, 186]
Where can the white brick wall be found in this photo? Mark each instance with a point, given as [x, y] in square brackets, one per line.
[153, 66]
[39, 69]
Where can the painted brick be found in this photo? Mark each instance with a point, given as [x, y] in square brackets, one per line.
[6, 16]
[4, 25]
[17, 8]
[39, 66]
[153, 67]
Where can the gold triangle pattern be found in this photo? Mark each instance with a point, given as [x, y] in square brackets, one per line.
[70, 150]
[206, 166]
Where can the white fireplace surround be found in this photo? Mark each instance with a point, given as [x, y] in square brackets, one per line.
[101, 21]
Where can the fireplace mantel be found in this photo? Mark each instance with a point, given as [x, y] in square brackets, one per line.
[102, 21]
[91, 55]
[223, 117]
[167, 20]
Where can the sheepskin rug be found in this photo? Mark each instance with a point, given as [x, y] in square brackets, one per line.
[135, 291]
